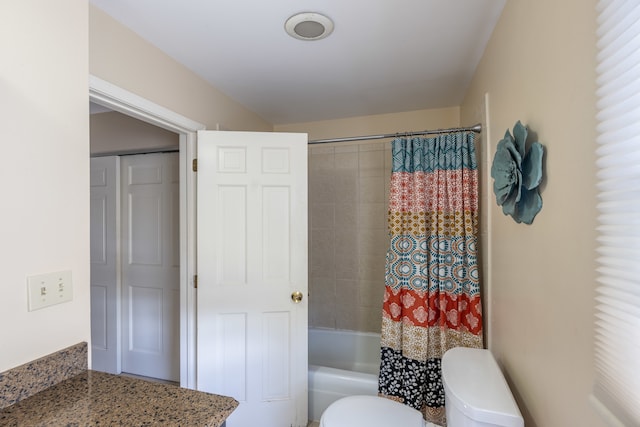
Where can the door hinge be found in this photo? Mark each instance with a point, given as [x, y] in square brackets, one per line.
[195, 281]
[194, 165]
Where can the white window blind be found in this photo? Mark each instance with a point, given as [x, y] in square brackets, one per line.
[616, 392]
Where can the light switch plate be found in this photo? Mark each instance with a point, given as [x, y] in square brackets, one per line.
[49, 289]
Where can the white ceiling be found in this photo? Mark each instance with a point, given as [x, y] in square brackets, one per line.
[383, 56]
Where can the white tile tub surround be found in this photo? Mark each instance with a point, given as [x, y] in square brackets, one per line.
[341, 363]
[348, 238]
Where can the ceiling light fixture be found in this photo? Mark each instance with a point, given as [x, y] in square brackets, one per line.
[309, 26]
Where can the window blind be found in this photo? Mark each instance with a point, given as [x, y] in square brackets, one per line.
[616, 392]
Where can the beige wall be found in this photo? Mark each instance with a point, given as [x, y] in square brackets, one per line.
[44, 221]
[539, 68]
[377, 124]
[114, 132]
[121, 57]
[348, 193]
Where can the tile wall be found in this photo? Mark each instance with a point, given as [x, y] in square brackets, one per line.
[348, 193]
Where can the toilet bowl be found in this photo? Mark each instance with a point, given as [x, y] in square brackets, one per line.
[370, 411]
[476, 395]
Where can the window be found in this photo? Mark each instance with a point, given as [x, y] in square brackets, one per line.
[616, 390]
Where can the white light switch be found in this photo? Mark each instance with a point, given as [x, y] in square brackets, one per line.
[49, 289]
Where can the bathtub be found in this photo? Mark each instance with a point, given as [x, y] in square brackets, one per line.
[341, 363]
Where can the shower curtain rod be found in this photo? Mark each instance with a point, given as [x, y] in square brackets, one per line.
[476, 128]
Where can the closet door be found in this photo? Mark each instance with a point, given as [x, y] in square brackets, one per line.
[150, 266]
[105, 290]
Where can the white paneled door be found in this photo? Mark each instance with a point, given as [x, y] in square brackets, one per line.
[252, 269]
[150, 266]
[105, 292]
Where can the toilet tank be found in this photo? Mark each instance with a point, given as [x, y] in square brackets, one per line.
[476, 393]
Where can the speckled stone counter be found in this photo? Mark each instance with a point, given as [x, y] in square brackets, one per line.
[28, 379]
[98, 399]
[58, 390]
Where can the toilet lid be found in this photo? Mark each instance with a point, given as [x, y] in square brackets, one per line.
[370, 411]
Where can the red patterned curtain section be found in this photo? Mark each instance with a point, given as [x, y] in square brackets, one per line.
[432, 291]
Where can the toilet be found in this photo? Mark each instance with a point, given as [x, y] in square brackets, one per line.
[476, 395]
[475, 391]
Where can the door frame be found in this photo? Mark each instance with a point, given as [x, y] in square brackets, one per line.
[109, 95]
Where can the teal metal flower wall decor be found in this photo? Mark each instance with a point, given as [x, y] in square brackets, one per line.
[517, 174]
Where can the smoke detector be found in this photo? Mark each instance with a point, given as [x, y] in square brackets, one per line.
[308, 26]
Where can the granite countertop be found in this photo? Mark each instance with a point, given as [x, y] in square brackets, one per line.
[94, 398]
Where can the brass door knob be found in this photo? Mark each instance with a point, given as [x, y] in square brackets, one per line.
[296, 297]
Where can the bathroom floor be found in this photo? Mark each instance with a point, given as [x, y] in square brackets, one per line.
[155, 380]
[317, 424]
